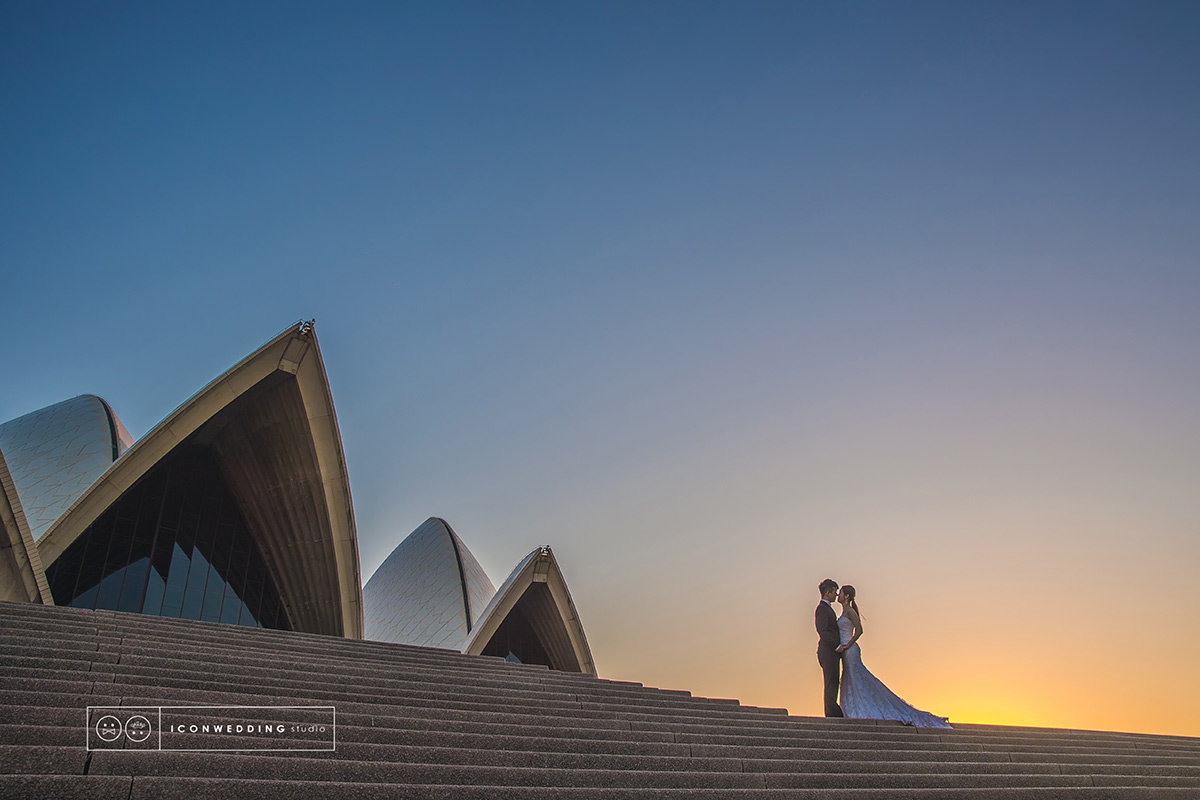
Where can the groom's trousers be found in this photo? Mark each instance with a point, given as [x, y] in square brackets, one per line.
[831, 663]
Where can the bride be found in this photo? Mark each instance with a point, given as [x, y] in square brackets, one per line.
[863, 695]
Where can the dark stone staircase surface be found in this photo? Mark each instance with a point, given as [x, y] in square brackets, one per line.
[416, 722]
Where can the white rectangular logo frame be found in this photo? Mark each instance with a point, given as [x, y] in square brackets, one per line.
[159, 710]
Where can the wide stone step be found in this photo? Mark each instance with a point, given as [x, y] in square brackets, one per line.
[890, 732]
[77, 702]
[73, 648]
[148, 788]
[77, 787]
[785, 736]
[420, 747]
[108, 787]
[51, 760]
[562, 759]
[779, 753]
[942, 743]
[1001, 731]
[68, 729]
[103, 787]
[342, 769]
[313, 769]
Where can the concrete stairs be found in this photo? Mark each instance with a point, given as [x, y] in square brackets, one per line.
[416, 722]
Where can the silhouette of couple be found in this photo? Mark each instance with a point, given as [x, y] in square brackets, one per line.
[863, 696]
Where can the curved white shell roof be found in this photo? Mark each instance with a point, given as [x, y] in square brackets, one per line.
[430, 591]
[56, 453]
[269, 421]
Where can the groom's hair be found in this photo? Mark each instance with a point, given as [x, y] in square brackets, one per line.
[828, 585]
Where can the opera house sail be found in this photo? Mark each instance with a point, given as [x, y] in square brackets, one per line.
[431, 591]
[236, 508]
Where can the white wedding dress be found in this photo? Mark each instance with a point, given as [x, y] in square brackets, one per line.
[865, 697]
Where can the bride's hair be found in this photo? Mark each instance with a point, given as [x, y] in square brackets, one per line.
[849, 590]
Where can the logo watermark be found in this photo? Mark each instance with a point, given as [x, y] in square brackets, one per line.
[212, 728]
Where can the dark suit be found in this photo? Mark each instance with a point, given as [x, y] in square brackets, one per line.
[828, 656]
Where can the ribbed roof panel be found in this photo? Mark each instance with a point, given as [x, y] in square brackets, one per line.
[56, 453]
[417, 595]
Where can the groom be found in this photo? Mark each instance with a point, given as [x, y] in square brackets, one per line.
[827, 649]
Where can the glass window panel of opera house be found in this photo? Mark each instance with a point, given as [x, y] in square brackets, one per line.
[175, 545]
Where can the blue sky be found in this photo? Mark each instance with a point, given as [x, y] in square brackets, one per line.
[899, 290]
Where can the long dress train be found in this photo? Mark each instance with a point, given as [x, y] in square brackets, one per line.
[866, 697]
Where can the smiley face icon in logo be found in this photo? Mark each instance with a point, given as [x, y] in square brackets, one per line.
[108, 728]
[137, 728]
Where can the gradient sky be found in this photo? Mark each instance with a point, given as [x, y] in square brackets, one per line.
[718, 299]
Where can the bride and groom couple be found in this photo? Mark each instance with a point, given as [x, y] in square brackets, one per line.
[863, 695]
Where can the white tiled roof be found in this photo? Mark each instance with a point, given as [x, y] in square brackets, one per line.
[416, 595]
[57, 452]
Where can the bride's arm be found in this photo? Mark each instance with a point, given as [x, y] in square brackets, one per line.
[858, 628]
